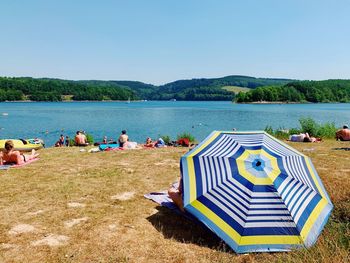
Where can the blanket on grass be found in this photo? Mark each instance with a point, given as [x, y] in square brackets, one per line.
[163, 199]
[8, 166]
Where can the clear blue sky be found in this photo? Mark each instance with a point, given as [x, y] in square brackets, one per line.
[158, 41]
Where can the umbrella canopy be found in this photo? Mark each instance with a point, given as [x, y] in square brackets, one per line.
[255, 192]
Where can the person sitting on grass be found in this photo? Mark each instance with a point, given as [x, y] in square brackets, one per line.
[80, 139]
[343, 134]
[123, 138]
[149, 142]
[10, 156]
[176, 194]
[60, 141]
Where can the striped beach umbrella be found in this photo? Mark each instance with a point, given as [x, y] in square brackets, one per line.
[255, 192]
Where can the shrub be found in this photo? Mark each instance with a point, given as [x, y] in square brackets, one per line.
[280, 133]
[309, 125]
[269, 130]
[187, 135]
[327, 130]
[294, 131]
[90, 138]
[71, 142]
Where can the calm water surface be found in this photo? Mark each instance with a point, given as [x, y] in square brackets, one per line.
[48, 120]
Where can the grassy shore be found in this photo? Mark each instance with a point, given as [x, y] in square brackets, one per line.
[73, 206]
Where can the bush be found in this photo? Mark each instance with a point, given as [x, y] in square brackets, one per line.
[327, 130]
[269, 130]
[90, 138]
[294, 131]
[187, 135]
[309, 125]
[280, 133]
[71, 142]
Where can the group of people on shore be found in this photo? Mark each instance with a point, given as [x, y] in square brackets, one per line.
[9, 155]
[79, 140]
[123, 141]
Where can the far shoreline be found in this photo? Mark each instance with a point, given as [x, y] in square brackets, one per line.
[132, 101]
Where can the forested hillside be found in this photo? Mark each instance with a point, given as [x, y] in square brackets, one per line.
[301, 91]
[269, 90]
[212, 89]
[12, 89]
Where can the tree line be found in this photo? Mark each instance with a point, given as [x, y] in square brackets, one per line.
[301, 91]
[196, 94]
[13, 89]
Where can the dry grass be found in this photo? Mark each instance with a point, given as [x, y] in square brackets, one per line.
[80, 207]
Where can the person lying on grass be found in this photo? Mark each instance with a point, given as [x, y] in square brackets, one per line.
[303, 137]
[10, 156]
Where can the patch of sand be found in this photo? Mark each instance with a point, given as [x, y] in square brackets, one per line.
[7, 246]
[51, 240]
[112, 227]
[21, 229]
[322, 168]
[35, 213]
[123, 196]
[129, 170]
[73, 222]
[75, 205]
[123, 164]
[169, 162]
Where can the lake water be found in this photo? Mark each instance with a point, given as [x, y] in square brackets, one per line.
[48, 120]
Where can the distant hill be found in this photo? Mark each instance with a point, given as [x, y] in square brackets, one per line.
[213, 88]
[234, 80]
[141, 90]
[46, 89]
[193, 89]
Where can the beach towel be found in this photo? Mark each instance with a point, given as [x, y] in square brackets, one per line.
[163, 199]
[183, 142]
[114, 149]
[7, 166]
